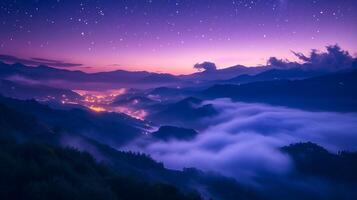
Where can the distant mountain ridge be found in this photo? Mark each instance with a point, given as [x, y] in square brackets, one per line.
[335, 92]
[276, 74]
[186, 112]
[44, 73]
[237, 74]
[35, 91]
[223, 74]
[119, 76]
[316, 63]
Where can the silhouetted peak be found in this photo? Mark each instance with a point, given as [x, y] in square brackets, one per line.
[305, 147]
[172, 132]
[191, 100]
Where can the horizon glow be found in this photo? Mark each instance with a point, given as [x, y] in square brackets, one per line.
[172, 35]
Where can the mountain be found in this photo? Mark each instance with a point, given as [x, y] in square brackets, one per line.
[113, 129]
[223, 74]
[48, 73]
[134, 101]
[275, 74]
[335, 92]
[183, 113]
[166, 91]
[113, 79]
[18, 123]
[42, 171]
[171, 132]
[172, 94]
[160, 78]
[39, 160]
[36, 158]
[54, 76]
[119, 76]
[312, 159]
[36, 91]
[40, 72]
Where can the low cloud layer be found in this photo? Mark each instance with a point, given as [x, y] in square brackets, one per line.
[244, 140]
[38, 61]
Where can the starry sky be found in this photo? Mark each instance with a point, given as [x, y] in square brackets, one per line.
[171, 35]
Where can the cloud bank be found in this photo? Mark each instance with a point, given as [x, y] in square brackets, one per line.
[333, 59]
[244, 140]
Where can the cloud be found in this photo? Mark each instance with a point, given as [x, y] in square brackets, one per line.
[280, 63]
[205, 66]
[37, 61]
[333, 59]
[243, 141]
[81, 144]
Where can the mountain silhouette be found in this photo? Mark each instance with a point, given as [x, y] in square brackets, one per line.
[312, 159]
[184, 112]
[334, 92]
[171, 132]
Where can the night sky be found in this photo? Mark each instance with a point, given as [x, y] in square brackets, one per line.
[172, 35]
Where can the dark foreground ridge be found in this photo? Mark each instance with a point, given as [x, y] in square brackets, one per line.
[39, 171]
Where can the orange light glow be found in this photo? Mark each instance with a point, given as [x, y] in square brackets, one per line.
[100, 97]
[97, 109]
[100, 101]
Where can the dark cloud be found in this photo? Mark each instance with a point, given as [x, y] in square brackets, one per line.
[333, 59]
[205, 66]
[280, 63]
[243, 141]
[37, 61]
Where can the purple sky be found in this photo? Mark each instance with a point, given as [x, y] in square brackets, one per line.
[172, 35]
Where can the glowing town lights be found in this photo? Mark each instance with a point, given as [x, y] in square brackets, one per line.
[97, 109]
[100, 97]
[100, 101]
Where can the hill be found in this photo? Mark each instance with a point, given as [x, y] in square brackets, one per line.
[335, 92]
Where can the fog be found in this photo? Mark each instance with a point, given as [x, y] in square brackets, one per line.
[243, 141]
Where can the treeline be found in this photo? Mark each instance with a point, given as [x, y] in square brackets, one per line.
[40, 171]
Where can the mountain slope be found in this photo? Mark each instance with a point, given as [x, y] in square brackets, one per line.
[223, 74]
[40, 171]
[42, 150]
[313, 159]
[183, 113]
[170, 132]
[334, 92]
[110, 128]
[45, 73]
[275, 74]
[36, 91]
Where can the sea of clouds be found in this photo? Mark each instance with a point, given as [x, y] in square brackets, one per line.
[243, 141]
